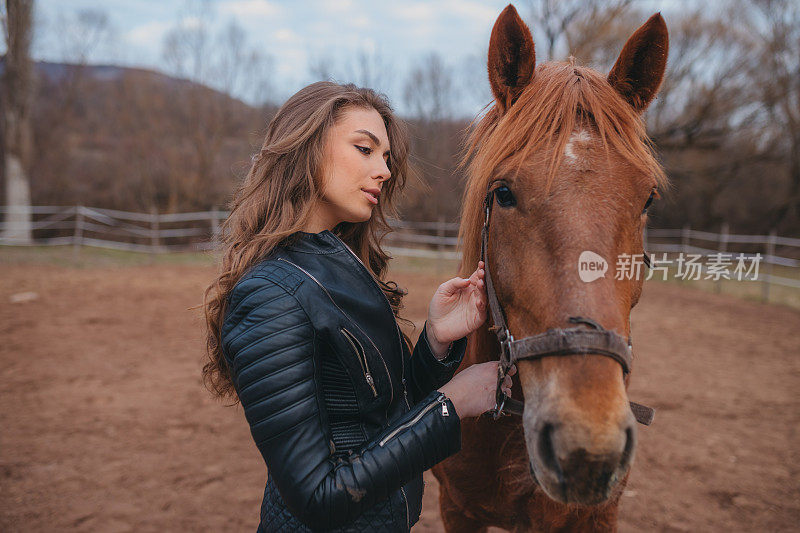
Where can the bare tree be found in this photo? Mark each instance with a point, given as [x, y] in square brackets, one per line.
[206, 119]
[473, 82]
[573, 27]
[775, 26]
[322, 67]
[430, 94]
[17, 100]
[80, 33]
[430, 89]
[370, 69]
[366, 68]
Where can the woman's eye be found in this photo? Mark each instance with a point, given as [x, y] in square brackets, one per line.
[504, 196]
[364, 149]
[649, 201]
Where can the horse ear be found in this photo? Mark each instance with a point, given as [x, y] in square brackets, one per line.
[511, 57]
[639, 69]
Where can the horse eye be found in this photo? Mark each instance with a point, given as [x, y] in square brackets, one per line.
[649, 201]
[504, 196]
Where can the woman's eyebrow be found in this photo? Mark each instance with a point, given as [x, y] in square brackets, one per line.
[370, 135]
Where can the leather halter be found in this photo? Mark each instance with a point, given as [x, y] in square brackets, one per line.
[553, 342]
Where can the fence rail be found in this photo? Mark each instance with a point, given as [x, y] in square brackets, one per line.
[199, 231]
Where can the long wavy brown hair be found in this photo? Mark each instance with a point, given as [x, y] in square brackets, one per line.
[276, 198]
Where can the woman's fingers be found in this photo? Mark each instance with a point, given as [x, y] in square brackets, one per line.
[477, 277]
[452, 286]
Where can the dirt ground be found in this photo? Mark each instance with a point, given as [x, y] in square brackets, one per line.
[105, 425]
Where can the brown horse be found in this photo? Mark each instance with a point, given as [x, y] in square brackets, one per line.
[566, 149]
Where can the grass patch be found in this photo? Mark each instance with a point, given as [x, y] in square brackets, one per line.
[752, 290]
[91, 257]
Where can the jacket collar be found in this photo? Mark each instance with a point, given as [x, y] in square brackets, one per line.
[324, 242]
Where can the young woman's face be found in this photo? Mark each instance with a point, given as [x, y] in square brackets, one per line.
[354, 168]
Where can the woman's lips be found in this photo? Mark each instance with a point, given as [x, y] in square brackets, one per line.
[370, 197]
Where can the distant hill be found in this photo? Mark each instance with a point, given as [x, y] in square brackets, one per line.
[59, 72]
[56, 72]
[132, 138]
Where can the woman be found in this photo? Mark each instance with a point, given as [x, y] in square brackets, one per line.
[303, 330]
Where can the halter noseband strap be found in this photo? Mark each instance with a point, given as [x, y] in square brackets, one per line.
[553, 342]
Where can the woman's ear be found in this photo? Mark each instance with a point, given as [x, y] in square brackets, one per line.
[639, 69]
[512, 59]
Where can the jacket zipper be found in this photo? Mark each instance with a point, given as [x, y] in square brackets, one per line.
[439, 399]
[397, 327]
[362, 358]
[321, 286]
[408, 517]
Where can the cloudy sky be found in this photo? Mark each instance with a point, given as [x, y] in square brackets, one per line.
[295, 35]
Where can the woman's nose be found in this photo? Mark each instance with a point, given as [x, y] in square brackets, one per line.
[383, 173]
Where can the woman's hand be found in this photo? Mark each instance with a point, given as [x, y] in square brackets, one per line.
[458, 307]
[472, 390]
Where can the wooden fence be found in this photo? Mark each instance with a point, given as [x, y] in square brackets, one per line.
[168, 232]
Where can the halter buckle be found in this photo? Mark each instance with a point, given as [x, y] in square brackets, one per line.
[505, 339]
[505, 349]
[497, 412]
[499, 396]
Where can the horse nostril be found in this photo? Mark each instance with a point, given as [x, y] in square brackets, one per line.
[547, 453]
[627, 453]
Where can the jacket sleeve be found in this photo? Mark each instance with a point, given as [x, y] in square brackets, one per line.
[428, 373]
[269, 342]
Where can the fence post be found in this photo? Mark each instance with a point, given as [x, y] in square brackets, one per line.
[723, 247]
[154, 230]
[440, 246]
[77, 236]
[215, 228]
[685, 237]
[770, 249]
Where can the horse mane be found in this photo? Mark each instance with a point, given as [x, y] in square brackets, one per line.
[559, 97]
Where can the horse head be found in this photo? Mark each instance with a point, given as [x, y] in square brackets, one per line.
[565, 152]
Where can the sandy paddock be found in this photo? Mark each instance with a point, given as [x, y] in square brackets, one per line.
[105, 425]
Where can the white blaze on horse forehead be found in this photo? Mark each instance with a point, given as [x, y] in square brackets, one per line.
[575, 140]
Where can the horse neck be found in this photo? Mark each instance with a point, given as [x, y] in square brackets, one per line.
[482, 346]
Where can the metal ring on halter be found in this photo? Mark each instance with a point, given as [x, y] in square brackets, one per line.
[500, 398]
[498, 409]
[505, 355]
[506, 346]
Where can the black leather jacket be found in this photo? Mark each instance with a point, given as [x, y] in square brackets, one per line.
[345, 417]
